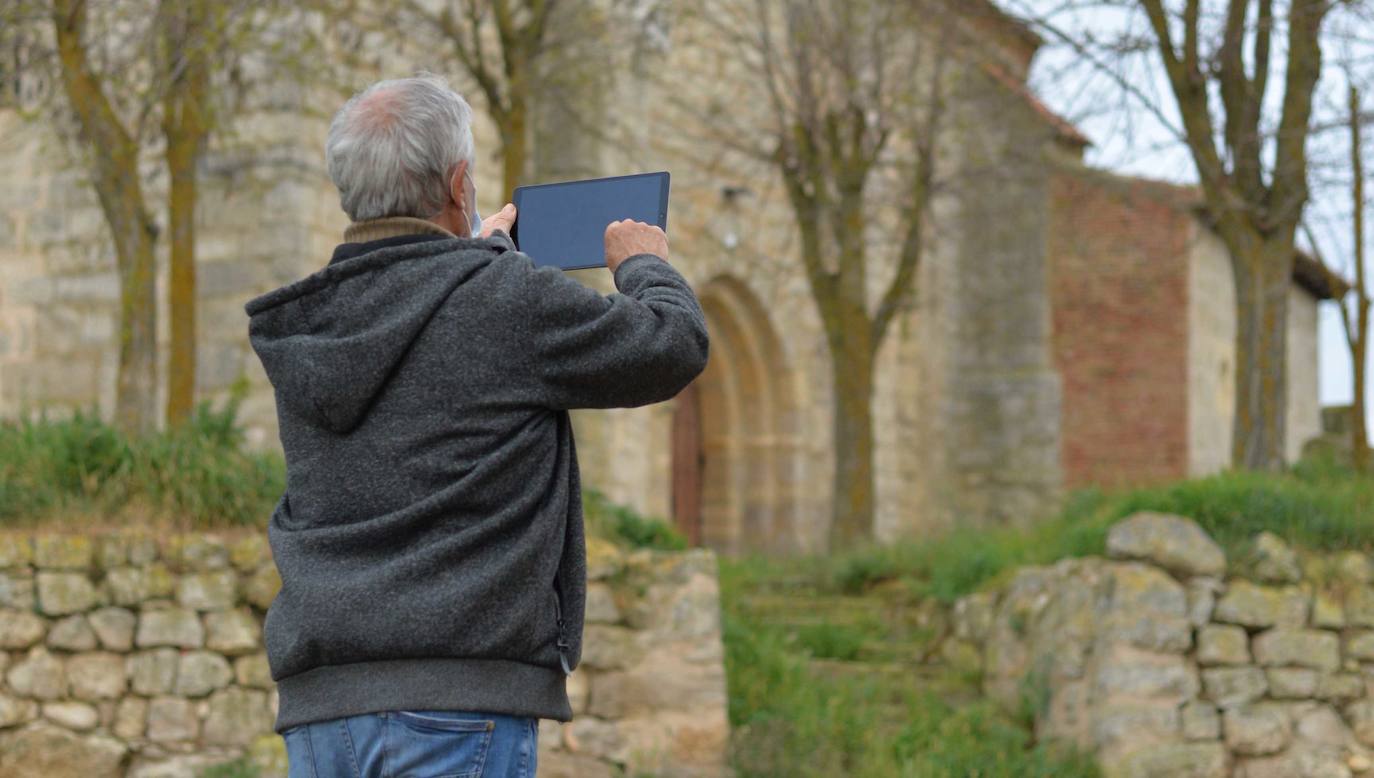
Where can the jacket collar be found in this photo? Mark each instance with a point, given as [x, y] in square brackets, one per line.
[365, 236]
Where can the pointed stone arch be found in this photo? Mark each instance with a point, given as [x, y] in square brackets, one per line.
[735, 431]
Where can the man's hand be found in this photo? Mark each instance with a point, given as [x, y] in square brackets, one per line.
[501, 220]
[627, 237]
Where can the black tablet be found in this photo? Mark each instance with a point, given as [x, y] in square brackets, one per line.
[564, 224]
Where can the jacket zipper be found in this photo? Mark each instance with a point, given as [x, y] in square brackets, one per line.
[562, 642]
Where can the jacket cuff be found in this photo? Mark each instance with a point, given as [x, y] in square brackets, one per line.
[619, 269]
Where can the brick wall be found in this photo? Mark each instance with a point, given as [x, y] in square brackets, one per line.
[1119, 288]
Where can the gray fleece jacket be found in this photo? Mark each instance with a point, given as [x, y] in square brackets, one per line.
[430, 539]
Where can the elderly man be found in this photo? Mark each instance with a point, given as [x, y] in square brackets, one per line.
[430, 540]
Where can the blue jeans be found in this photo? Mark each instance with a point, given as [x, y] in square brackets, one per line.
[414, 744]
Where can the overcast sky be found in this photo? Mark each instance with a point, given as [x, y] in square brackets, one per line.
[1134, 133]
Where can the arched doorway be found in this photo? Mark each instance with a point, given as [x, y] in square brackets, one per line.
[734, 431]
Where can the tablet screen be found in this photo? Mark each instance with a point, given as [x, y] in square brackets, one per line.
[564, 224]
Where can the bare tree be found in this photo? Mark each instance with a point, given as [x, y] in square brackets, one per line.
[1242, 75]
[112, 150]
[849, 103]
[506, 72]
[139, 75]
[188, 35]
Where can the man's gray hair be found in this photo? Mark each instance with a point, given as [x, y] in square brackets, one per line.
[391, 147]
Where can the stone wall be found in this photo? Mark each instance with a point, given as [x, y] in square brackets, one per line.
[125, 653]
[1165, 661]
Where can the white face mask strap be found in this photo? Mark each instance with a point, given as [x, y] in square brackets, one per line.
[476, 226]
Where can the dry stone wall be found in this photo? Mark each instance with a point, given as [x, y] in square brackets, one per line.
[1163, 665]
[127, 654]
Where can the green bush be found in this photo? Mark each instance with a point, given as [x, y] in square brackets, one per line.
[623, 525]
[197, 472]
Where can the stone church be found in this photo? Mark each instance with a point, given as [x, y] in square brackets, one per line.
[1068, 327]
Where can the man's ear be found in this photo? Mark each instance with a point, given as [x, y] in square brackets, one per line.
[455, 185]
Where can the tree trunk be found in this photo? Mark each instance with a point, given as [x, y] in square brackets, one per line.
[185, 125]
[852, 368]
[515, 139]
[182, 155]
[113, 167]
[1263, 277]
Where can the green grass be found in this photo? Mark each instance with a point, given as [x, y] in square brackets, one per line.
[242, 767]
[198, 472]
[794, 712]
[1317, 505]
[199, 476]
[625, 526]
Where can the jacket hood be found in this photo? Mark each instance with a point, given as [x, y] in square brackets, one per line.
[331, 341]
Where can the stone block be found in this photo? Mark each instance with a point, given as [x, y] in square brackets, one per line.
[1320, 725]
[1360, 645]
[1359, 606]
[16, 549]
[44, 750]
[1175, 543]
[14, 711]
[1328, 611]
[72, 633]
[606, 647]
[1174, 760]
[207, 591]
[16, 591]
[201, 672]
[1149, 630]
[253, 671]
[130, 716]
[1360, 716]
[20, 629]
[262, 586]
[1219, 644]
[1353, 567]
[601, 607]
[1115, 726]
[97, 676]
[1340, 687]
[114, 628]
[237, 716]
[152, 672]
[111, 550]
[196, 551]
[169, 627]
[662, 681]
[1229, 687]
[249, 552]
[171, 719]
[1256, 730]
[1292, 683]
[60, 551]
[1274, 560]
[39, 674]
[62, 593]
[1138, 674]
[72, 715]
[1250, 605]
[1298, 648]
[232, 632]
[1202, 599]
[1200, 721]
